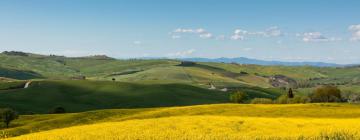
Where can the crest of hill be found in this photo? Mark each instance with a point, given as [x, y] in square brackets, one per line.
[25, 54]
[96, 57]
[22, 54]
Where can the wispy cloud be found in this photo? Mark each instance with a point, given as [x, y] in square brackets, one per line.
[240, 34]
[355, 30]
[202, 33]
[273, 32]
[316, 37]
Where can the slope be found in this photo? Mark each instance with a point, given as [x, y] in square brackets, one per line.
[77, 96]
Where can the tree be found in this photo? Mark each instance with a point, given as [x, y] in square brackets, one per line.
[238, 97]
[113, 79]
[7, 115]
[290, 93]
[326, 94]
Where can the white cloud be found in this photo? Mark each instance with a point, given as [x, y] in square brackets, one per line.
[273, 32]
[237, 37]
[316, 37]
[180, 30]
[355, 30]
[182, 53]
[202, 33]
[206, 35]
[240, 31]
[240, 34]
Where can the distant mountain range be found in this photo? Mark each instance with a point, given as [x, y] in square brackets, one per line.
[243, 60]
[239, 60]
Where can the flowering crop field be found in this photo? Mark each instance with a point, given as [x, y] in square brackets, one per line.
[221, 122]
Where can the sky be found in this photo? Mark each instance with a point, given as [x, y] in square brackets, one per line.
[296, 30]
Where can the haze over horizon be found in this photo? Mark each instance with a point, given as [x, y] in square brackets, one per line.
[313, 31]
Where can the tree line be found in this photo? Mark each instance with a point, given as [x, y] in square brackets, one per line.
[321, 94]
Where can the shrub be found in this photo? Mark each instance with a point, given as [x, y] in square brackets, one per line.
[282, 99]
[7, 115]
[299, 100]
[296, 100]
[58, 110]
[326, 94]
[262, 101]
[238, 97]
[354, 98]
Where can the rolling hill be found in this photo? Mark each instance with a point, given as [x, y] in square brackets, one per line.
[77, 96]
[30, 66]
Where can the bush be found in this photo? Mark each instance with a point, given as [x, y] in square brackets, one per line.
[282, 99]
[354, 98]
[58, 110]
[326, 94]
[296, 100]
[238, 97]
[300, 100]
[261, 101]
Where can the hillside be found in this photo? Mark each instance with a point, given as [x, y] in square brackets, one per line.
[213, 122]
[76, 96]
[32, 66]
[18, 74]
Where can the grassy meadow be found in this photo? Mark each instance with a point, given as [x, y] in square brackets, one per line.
[78, 95]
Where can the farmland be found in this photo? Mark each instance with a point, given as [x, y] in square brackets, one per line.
[229, 121]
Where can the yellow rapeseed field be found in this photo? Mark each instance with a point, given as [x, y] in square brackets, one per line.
[220, 122]
[208, 128]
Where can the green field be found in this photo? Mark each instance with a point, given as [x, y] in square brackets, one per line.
[76, 96]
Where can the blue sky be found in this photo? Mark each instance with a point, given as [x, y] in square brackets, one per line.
[306, 30]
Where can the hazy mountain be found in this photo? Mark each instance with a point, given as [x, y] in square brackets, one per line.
[243, 60]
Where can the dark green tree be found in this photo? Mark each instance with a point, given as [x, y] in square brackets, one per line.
[7, 115]
[290, 93]
[238, 97]
[326, 94]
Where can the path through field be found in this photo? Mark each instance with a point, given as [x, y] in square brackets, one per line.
[27, 84]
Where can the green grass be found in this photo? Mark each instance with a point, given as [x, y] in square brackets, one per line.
[34, 123]
[178, 74]
[76, 96]
[11, 85]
